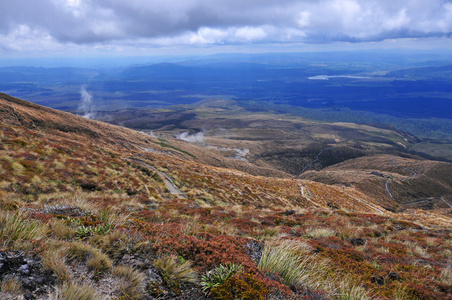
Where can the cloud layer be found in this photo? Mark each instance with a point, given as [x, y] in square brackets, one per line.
[47, 23]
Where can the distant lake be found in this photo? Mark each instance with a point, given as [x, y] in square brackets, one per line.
[327, 77]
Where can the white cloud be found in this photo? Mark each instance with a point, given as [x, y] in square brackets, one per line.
[248, 33]
[107, 23]
[304, 19]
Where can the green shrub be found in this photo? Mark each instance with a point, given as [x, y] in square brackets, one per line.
[219, 275]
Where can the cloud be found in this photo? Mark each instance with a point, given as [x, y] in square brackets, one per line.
[201, 22]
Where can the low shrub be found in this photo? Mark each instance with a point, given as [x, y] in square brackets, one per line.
[245, 287]
[219, 275]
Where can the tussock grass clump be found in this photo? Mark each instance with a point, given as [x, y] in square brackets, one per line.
[61, 230]
[320, 232]
[175, 271]
[446, 275]
[11, 284]
[346, 290]
[95, 259]
[400, 292]
[74, 291]
[55, 261]
[17, 232]
[293, 262]
[132, 282]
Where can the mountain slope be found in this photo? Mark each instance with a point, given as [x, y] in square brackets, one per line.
[88, 207]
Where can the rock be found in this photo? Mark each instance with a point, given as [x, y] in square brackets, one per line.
[254, 250]
[153, 276]
[28, 270]
[378, 280]
[24, 270]
[358, 242]
[289, 212]
[135, 261]
[394, 276]
[29, 296]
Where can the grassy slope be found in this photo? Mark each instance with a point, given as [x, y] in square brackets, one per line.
[50, 160]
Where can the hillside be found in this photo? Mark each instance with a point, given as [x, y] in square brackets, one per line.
[93, 209]
[269, 143]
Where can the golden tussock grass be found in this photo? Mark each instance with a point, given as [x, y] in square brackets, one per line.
[175, 271]
[18, 232]
[55, 261]
[446, 275]
[94, 258]
[294, 263]
[132, 282]
[319, 232]
[74, 291]
[11, 284]
[61, 230]
[347, 290]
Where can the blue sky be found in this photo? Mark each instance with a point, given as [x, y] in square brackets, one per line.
[31, 28]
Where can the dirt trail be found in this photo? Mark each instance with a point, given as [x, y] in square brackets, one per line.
[314, 161]
[413, 173]
[364, 202]
[172, 188]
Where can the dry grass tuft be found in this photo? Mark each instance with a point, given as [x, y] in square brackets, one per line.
[11, 284]
[320, 232]
[55, 261]
[95, 259]
[175, 271]
[292, 262]
[132, 282]
[61, 230]
[346, 290]
[74, 291]
[446, 275]
[18, 232]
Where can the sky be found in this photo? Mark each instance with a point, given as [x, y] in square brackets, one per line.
[31, 28]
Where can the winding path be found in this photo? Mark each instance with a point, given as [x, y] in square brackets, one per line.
[314, 161]
[172, 188]
[413, 173]
[428, 200]
[364, 202]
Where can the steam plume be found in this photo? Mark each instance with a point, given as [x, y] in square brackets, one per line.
[86, 104]
[192, 138]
